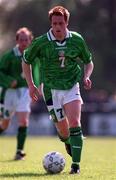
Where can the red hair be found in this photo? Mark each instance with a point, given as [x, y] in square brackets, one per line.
[24, 30]
[59, 11]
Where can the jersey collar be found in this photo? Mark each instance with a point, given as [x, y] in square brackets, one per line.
[51, 37]
[16, 51]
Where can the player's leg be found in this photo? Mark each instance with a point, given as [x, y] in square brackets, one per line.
[56, 115]
[62, 127]
[73, 113]
[5, 119]
[64, 134]
[6, 110]
[23, 121]
[22, 112]
[4, 123]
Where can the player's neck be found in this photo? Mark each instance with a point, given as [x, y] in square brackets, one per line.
[60, 38]
[21, 50]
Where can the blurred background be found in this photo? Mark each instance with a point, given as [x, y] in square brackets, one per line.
[96, 22]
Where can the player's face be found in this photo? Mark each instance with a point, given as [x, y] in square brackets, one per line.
[59, 26]
[23, 41]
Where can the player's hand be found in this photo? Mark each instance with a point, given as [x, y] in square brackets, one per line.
[87, 83]
[34, 93]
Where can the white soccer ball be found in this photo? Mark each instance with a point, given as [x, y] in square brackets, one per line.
[53, 162]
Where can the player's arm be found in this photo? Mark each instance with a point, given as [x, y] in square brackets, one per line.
[27, 70]
[30, 54]
[86, 58]
[6, 80]
[88, 69]
[33, 90]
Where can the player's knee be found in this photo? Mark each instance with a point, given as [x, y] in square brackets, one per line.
[74, 123]
[24, 122]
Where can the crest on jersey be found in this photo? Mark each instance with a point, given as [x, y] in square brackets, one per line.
[61, 53]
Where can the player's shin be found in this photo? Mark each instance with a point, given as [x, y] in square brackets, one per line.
[21, 137]
[67, 143]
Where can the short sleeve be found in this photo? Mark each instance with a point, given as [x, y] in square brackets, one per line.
[31, 52]
[85, 55]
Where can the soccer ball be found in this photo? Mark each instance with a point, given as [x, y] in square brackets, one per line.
[53, 162]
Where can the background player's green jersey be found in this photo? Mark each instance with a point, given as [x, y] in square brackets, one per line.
[59, 61]
[11, 69]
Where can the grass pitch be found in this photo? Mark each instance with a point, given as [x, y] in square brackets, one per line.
[98, 159]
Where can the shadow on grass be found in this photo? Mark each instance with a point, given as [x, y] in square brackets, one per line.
[30, 175]
[11, 160]
[24, 174]
[8, 175]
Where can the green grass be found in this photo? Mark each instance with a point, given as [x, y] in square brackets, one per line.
[98, 159]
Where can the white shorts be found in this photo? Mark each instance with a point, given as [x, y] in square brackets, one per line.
[17, 100]
[62, 97]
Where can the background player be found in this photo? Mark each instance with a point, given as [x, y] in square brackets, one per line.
[17, 99]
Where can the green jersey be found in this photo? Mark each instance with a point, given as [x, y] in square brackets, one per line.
[59, 61]
[11, 69]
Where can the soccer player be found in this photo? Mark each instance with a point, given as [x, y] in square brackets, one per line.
[17, 99]
[60, 52]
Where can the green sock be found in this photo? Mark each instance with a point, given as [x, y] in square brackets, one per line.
[76, 143]
[21, 137]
